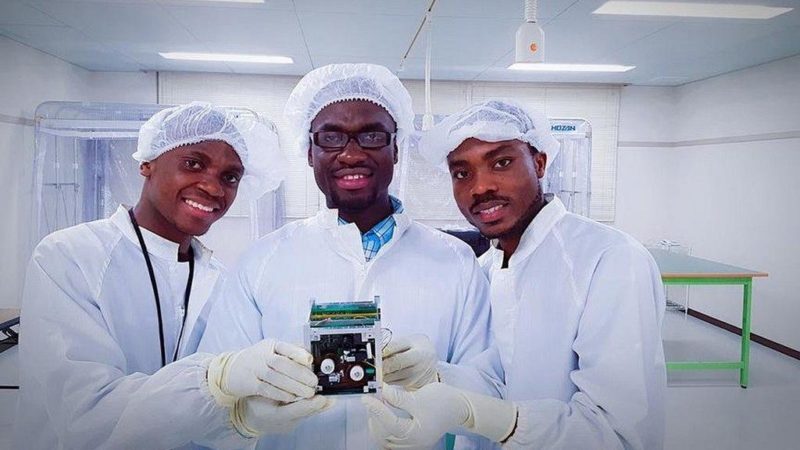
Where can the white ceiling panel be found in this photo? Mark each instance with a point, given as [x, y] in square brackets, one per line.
[582, 9]
[92, 1]
[278, 5]
[682, 42]
[472, 39]
[414, 69]
[14, 12]
[415, 8]
[71, 45]
[770, 47]
[136, 26]
[241, 29]
[358, 35]
[593, 41]
[499, 9]
[103, 60]
[456, 43]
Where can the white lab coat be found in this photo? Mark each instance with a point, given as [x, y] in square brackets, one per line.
[428, 282]
[90, 365]
[576, 317]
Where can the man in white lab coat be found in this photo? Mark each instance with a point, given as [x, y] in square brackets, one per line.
[576, 306]
[113, 310]
[350, 121]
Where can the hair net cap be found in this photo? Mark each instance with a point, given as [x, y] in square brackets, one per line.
[490, 121]
[255, 142]
[341, 82]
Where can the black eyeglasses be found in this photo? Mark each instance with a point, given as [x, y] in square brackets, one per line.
[332, 141]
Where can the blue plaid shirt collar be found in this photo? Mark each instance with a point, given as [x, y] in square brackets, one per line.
[381, 233]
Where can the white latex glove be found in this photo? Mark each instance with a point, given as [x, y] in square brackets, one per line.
[410, 361]
[257, 416]
[435, 410]
[271, 369]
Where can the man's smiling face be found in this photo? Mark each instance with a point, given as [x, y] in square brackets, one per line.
[191, 187]
[353, 178]
[496, 185]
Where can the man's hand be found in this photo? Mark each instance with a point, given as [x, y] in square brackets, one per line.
[410, 361]
[435, 410]
[257, 416]
[271, 369]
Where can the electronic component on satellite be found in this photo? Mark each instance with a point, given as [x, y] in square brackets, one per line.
[345, 340]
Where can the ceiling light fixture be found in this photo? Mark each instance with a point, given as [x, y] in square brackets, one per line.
[543, 67]
[227, 57]
[682, 9]
[530, 37]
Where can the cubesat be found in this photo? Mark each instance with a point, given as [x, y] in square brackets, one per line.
[345, 340]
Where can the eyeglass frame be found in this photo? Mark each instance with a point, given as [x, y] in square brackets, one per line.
[350, 137]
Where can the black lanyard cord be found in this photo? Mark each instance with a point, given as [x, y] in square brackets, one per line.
[186, 295]
[152, 274]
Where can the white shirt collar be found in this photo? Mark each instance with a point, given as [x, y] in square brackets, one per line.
[347, 238]
[537, 230]
[329, 218]
[156, 245]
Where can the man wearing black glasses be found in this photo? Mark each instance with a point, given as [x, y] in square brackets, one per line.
[353, 157]
[351, 121]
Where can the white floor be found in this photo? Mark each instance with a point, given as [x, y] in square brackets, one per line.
[705, 410]
[708, 410]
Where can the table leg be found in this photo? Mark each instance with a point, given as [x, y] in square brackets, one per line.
[744, 372]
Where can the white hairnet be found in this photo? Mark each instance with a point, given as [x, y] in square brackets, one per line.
[490, 121]
[255, 142]
[340, 82]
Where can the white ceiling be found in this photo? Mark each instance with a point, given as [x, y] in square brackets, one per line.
[472, 39]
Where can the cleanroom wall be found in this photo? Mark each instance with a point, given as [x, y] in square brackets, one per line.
[29, 77]
[646, 126]
[713, 165]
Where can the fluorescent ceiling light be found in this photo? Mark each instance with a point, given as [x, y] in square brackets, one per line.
[680, 9]
[546, 67]
[228, 57]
